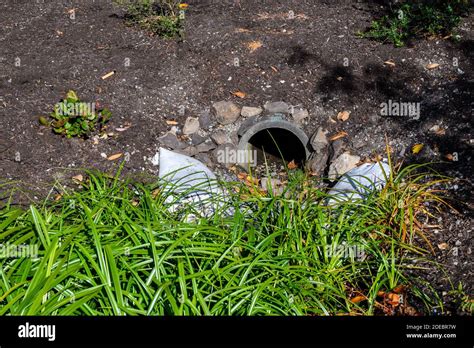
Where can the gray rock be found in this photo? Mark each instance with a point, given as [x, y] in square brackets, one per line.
[249, 111]
[342, 164]
[206, 159]
[273, 185]
[220, 137]
[317, 163]
[226, 154]
[226, 112]
[318, 141]
[197, 139]
[205, 147]
[299, 115]
[337, 148]
[170, 140]
[205, 118]
[189, 151]
[279, 106]
[191, 125]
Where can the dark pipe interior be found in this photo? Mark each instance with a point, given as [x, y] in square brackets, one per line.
[278, 144]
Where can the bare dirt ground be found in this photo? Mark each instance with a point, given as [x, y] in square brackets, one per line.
[313, 60]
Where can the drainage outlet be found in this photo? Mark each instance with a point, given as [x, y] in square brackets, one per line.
[272, 139]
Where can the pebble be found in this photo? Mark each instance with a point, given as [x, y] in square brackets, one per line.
[226, 112]
[191, 125]
[249, 111]
[342, 164]
[279, 106]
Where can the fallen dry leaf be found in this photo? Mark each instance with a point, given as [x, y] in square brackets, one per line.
[339, 78]
[254, 45]
[292, 165]
[440, 131]
[78, 177]
[274, 69]
[443, 246]
[389, 62]
[155, 192]
[124, 127]
[338, 135]
[394, 299]
[399, 289]
[449, 157]
[343, 115]
[115, 156]
[432, 66]
[358, 299]
[239, 94]
[417, 148]
[171, 122]
[58, 197]
[242, 30]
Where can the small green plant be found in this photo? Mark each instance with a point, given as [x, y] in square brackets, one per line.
[417, 19]
[160, 17]
[74, 118]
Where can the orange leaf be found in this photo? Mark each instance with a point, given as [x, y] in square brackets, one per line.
[399, 289]
[171, 122]
[358, 299]
[115, 156]
[389, 62]
[394, 299]
[292, 165]
[339, 135]
[239, 94]
[254, 45]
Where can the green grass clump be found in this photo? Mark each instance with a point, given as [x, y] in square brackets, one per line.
[417, 19]
[115, 248]
[161, 17]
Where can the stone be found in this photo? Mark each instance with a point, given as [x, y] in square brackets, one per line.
[226, 112]
[337, 148]
[318, 141]
[226, 154]
[299, 115]
[191, 125]
[188, 151]
[249, 111]
[205, 118]
[342, 164]
[206, 159]
[279, 106]
[205, 147]
[170, 140]
[220, 137]
[197, 139]
[273, 185]
[317, 163]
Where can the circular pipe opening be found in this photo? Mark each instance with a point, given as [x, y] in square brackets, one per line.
[277, 144]
[274, 140]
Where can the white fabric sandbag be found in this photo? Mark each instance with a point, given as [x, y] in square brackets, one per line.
[359, 182]
[188, 181]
